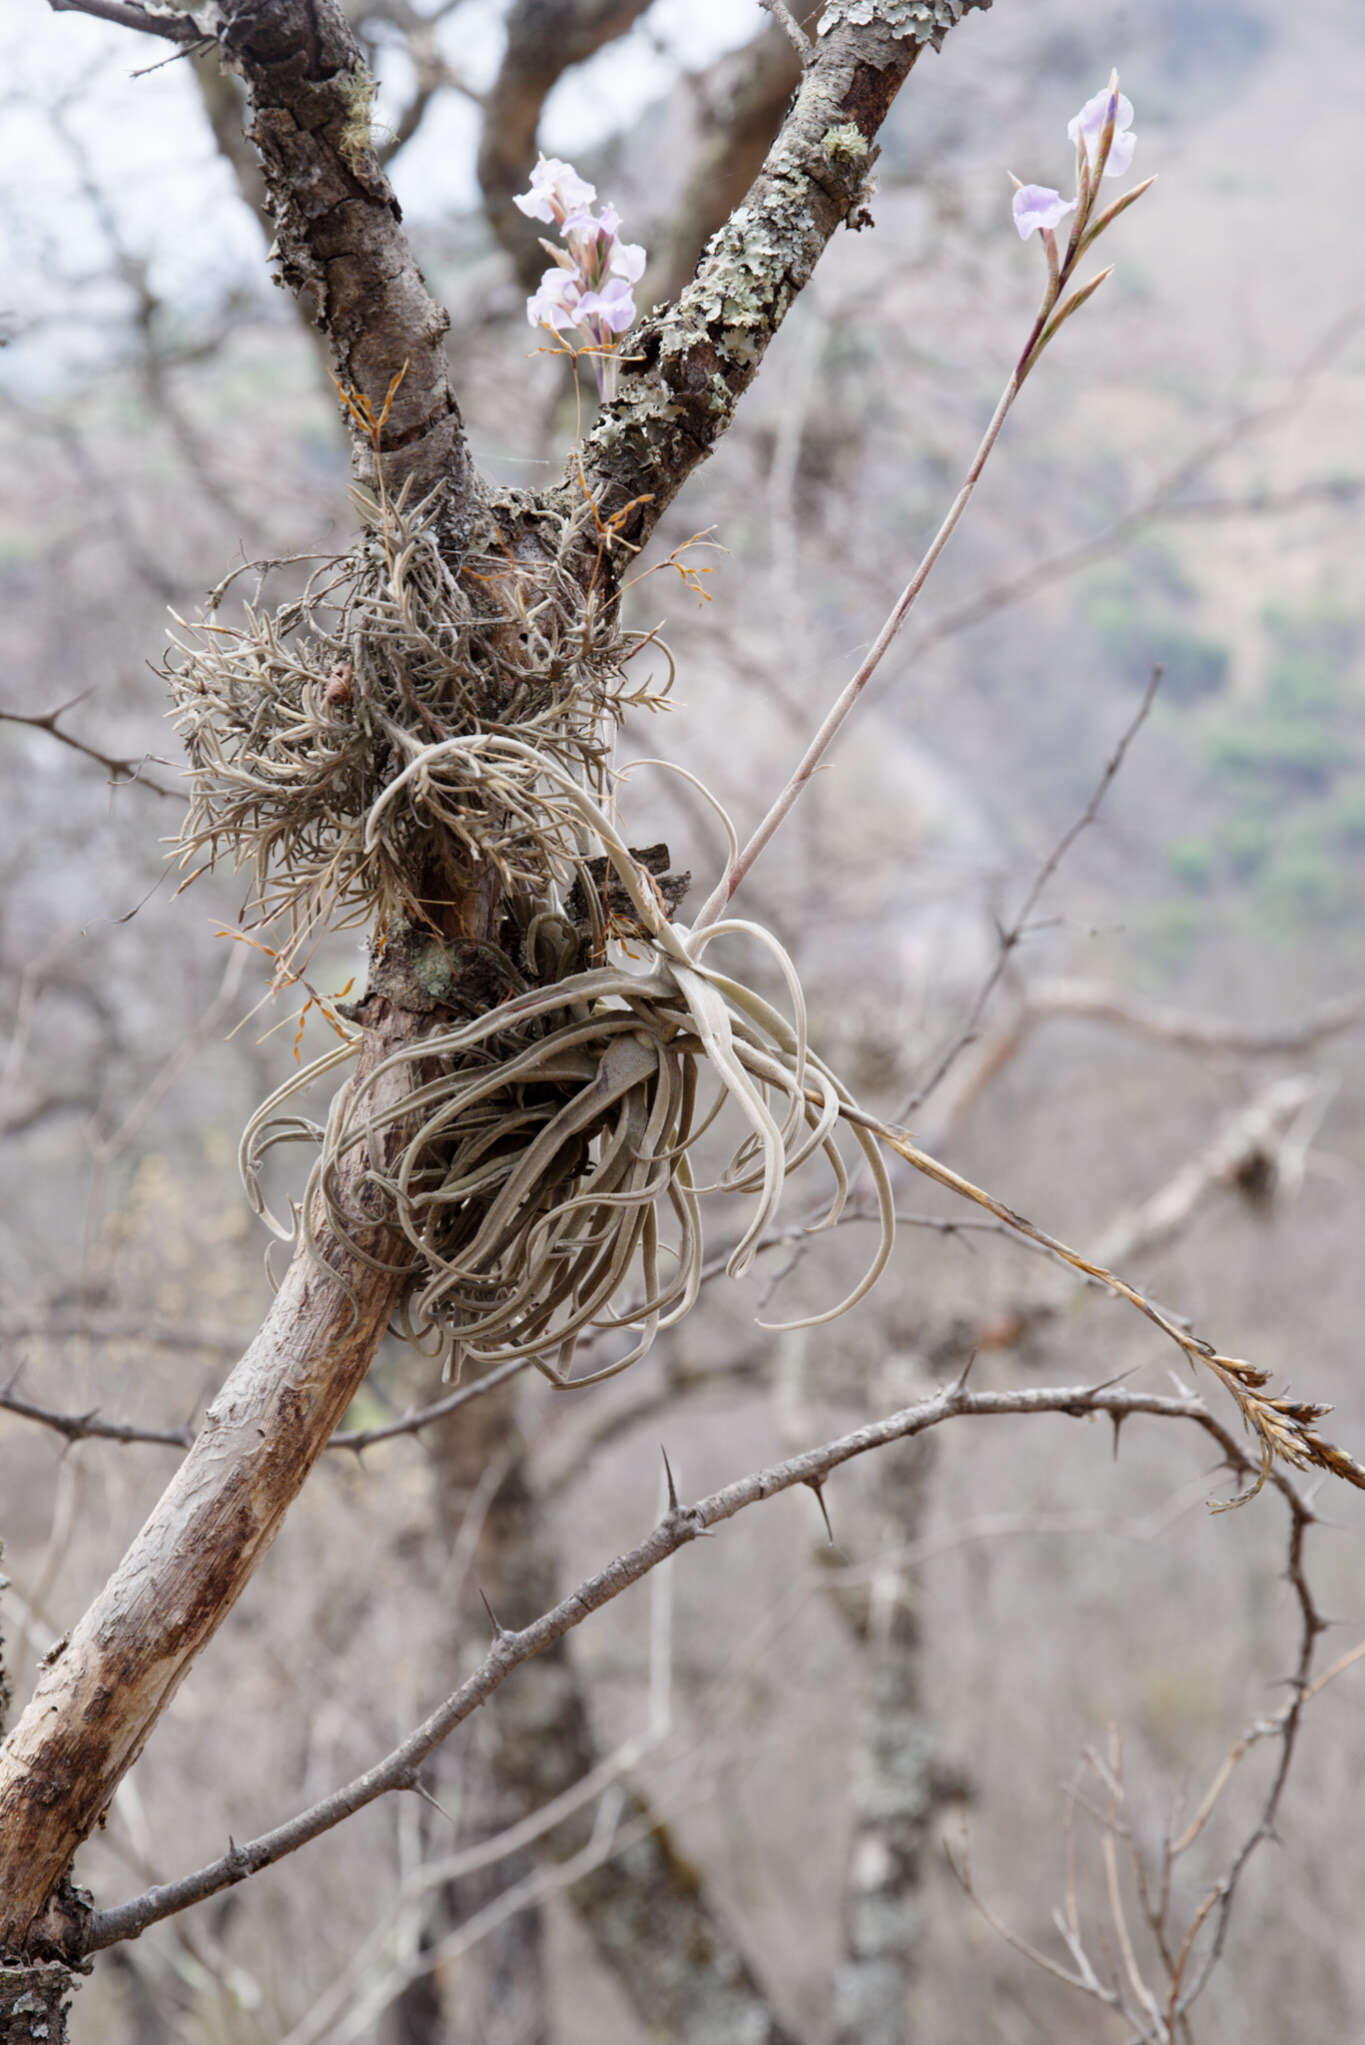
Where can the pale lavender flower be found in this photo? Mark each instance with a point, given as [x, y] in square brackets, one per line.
[613, 305]
[556, 191]
[1039, 207]
[1088, 125]
[555, 303]
[589, 288]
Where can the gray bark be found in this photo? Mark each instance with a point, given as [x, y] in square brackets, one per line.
[34, 2003]
[895, 1787]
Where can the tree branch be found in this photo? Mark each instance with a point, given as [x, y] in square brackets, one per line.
[95, 1706]
[398, 1770]
[338, 235]
[175, 24]
[694, 360]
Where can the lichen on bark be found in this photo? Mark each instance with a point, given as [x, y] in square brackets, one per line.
[34, 2001]
[921, 21]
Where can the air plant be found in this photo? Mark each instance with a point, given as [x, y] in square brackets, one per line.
[429, 712]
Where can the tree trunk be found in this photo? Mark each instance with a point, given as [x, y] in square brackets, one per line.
[896, 1786]
[94, 1707]
[647, 1910]
[33, 2004]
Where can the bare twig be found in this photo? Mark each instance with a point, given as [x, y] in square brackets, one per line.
[789, 26]
[1160, 2020]
[175, 25]
[89, 1426]
[1010, 937]
[510, 1649]
[1054, 309]
[1164, 502]
[86, 1426]
[124, 772]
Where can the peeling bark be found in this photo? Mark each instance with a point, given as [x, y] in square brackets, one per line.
[34, 2002]
[6, 1690]
[339, 242]
[341, 250]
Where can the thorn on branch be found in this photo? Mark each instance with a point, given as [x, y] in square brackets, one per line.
[672, 1487]
[419, 1788]
[500, 1632]
[959, 1383]
[817, 1485]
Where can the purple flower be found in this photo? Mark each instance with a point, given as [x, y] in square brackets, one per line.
[1038, 206]
[612, 305]
[1088, 125]
[555, 303]
[556, 191]
[589, 287]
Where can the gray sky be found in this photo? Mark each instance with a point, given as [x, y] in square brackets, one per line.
[72, 93]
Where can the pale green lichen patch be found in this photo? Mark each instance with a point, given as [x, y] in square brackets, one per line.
[745, 285]
[844, 144]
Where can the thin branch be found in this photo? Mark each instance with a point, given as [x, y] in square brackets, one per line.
[843, 705]
[85, 1426]
[1164, 502]
[398, 1770]
[1053, 310]
[88, 1426]
[1185, 1030]
[1009, 938]
[358, 1438]
[789, 26]
[1086, 1981]
[1155, 1889]
[82, 1426]
[176, 26]
[693, 360]
[125, 772]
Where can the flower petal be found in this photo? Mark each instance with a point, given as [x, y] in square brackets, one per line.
[628, 261]
[1039, 207]
[1088, 126]
[555, 304]
[613, 304]
[1120, 154]
[556, 189]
